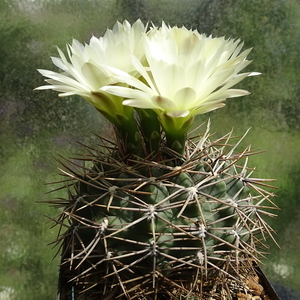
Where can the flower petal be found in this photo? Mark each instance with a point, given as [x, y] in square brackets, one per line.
[164, 103]
[185, 97]
[178, 113]
[95, 76]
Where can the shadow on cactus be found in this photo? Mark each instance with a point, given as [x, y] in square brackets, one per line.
[155, 212]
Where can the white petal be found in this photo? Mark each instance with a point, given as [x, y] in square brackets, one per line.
[59, 63]
[208, 107]
[140, 103]
[184, 97]
[164, 103]
[254, 74]
[178, 113]
[130, 80]
[97, 77]
[143, 71]
[126, 92]
[236, 93]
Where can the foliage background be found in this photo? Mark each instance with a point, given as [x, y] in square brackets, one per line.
[38, 126]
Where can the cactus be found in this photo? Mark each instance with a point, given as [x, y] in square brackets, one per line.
[136, 226]
[157, 213]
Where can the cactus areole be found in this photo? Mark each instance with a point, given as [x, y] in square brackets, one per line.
[155, 212]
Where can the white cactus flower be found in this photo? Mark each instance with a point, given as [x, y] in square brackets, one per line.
[186, 74]
[87, 70]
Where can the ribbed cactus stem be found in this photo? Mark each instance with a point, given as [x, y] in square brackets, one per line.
[138, 224]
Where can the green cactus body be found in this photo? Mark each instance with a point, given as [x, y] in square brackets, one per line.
[138, 223]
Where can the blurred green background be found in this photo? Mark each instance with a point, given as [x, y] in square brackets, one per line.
[38, 126]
